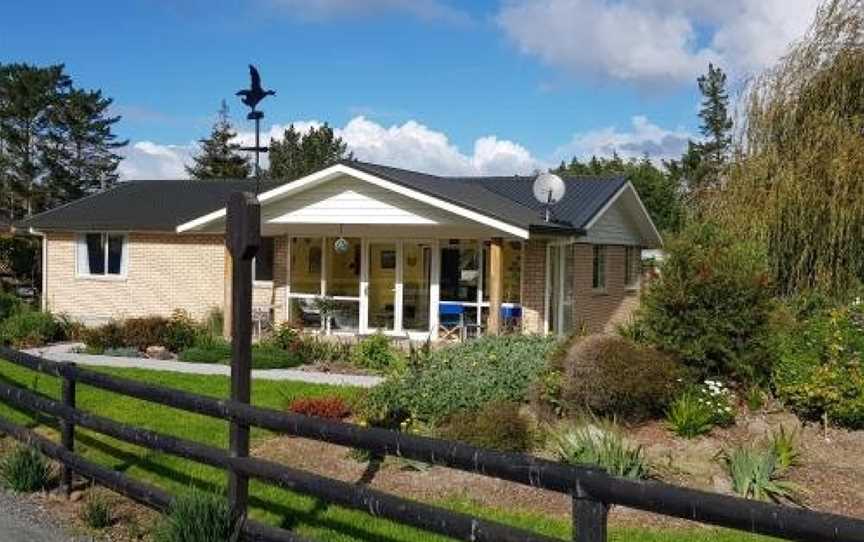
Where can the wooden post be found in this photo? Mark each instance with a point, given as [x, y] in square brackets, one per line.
[589, 518]
[243, 237]
[67, 428]
[496, 286]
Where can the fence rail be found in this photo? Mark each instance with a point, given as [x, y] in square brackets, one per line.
[591, 490]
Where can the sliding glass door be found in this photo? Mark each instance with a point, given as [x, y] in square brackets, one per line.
[381, 292]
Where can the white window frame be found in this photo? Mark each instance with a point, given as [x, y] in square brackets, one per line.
[81, 238]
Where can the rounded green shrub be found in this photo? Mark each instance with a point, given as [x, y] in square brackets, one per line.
[9, 304]
[710, 305]
[375, 353]
[608, 375]
[499, 425]
[28, 328]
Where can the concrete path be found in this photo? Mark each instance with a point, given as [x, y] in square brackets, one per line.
[62, 352]
[22, 520]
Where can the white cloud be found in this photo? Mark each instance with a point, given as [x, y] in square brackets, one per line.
[643, 137]
[410, 145]
[655, 41]
[329, 9]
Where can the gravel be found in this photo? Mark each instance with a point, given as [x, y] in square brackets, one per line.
[24, 520]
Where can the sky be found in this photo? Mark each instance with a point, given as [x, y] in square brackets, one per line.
[444, 86]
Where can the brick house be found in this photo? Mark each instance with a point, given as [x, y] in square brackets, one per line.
[391, 250]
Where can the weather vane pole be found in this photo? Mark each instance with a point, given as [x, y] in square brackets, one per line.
[251, 96]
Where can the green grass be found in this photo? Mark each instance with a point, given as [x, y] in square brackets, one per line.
[263, 356]
[307, 516]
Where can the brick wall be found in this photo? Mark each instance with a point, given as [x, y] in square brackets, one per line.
[533, 292]
[601, 311]
[164, 272]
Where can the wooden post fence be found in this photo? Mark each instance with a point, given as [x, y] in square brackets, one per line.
[243, 238]
[67, 427]
[590, 517]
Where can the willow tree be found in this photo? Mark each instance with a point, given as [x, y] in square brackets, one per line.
[797, 184]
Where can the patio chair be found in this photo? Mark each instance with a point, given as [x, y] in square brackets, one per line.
[511, 318]
[451, 321]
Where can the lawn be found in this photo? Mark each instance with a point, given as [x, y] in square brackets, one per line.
[305, 515]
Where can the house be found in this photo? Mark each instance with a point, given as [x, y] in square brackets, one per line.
[392, 250]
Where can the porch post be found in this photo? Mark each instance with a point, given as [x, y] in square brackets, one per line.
[495, 286]
[226, 303]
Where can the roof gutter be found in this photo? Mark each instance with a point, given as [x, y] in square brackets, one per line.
[563, 231]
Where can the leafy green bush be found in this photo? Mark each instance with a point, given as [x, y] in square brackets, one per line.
[784, 445]
[755, 474]
[460, 377]
[265, 356]
[96, 512]
[611, 376]
[197, 516]
[27, 328]
[25, 470]
[498, 426]
[710, 305]
[818, 372]
[181, 332]
[214, 353]
[374, 352]
[601, 445]
[9, 304]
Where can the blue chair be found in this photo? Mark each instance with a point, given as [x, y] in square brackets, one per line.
[451, 321]
[511, 317]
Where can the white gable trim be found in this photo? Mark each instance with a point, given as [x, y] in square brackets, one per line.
[645, 218]
[341, 169]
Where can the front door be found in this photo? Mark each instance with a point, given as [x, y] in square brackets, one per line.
[381, 292]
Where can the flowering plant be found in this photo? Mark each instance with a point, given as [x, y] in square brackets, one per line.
[719, 400]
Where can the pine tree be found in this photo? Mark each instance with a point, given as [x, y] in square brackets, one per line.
[704, 162]
[297, 155]
[79, 151]
[220, 158]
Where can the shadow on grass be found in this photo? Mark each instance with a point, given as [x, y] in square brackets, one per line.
[291, 518]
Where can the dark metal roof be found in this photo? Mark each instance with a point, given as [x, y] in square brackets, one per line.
[164, 205]
[141, 206]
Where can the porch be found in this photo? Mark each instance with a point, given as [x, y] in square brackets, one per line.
[343, 283]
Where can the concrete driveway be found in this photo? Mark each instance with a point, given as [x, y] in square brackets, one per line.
[22, 520]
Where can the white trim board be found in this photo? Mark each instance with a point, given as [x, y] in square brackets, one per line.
[341, 169]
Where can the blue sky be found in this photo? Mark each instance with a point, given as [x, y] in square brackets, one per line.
[481, 86]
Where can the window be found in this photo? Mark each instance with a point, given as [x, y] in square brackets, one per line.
[264, 260]
[460, 271]
[306, 265]
[632, 266]
[101, 254]
[599, 278]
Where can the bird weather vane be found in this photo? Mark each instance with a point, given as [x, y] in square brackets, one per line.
[251, 97]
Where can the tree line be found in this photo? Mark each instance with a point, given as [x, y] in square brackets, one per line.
[57, 141]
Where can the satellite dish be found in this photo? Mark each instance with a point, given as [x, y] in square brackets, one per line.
[549, 189]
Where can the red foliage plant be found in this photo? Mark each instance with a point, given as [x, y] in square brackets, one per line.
[330, 407]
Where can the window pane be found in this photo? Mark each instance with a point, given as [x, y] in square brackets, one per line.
[115, 254]
[264, 259]
[460, 271]
[95, 254]
[416, 272]
[343, 268]
[306, 265]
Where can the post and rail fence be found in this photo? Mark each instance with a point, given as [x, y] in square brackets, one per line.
[592, 491]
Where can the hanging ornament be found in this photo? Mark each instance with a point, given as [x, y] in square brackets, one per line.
[341, 245]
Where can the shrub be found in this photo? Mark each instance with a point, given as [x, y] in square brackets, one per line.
[784, 445]
[143, 332]
[181, 332]
[124, 352]
[374, 352]
[9, 304]
[611, 376]
[28, 328]
[462, 377]
[498, 426]
[755, 474]
[265, 356]
[25, 470]
[197, 516]
[688, 417]
[601, 446]
[98, 339]
[330, 407]
[96, 512]
[818, 372]
[710, 305]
